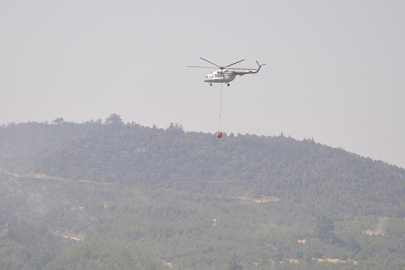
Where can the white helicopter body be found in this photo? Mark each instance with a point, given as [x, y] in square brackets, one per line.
[224, 75]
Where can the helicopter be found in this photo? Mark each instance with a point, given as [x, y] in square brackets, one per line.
[226, 74]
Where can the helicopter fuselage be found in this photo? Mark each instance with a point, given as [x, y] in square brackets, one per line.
[220, 76]
[226, 75]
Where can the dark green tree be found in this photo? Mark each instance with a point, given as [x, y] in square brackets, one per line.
[114, 119]
[58, 120]
[324, 228]
[235, 266]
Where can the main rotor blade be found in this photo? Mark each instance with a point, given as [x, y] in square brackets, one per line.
[201, 67]
[210, 62]
[235, 63]
[242, 69]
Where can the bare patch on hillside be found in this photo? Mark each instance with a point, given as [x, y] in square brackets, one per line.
[49, 177]
[379, 230]
[263, 199]
[368, 232]
[69, 235]
[302, 241]
[168, 264]
[336, 261]
[266, 199]
[41, 176]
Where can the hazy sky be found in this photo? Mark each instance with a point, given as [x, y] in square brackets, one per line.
[335, 69]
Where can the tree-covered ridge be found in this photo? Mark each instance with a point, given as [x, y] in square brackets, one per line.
[147, 198]
[190, 231]
[307, 175]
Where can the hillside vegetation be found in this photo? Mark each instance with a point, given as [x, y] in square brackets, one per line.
[110, 195]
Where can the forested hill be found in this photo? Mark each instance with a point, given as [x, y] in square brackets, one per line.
[306, 177]
[110, 195]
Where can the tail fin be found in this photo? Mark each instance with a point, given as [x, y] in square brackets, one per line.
[258, 69]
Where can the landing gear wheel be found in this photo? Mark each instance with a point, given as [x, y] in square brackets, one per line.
[210, 84]
[227, 84]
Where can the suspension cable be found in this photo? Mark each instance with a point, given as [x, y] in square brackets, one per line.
[220, 104]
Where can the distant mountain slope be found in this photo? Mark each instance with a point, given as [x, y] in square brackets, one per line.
[305, 175]
[109, 195]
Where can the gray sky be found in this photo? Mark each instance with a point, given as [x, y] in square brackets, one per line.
[335, 69]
